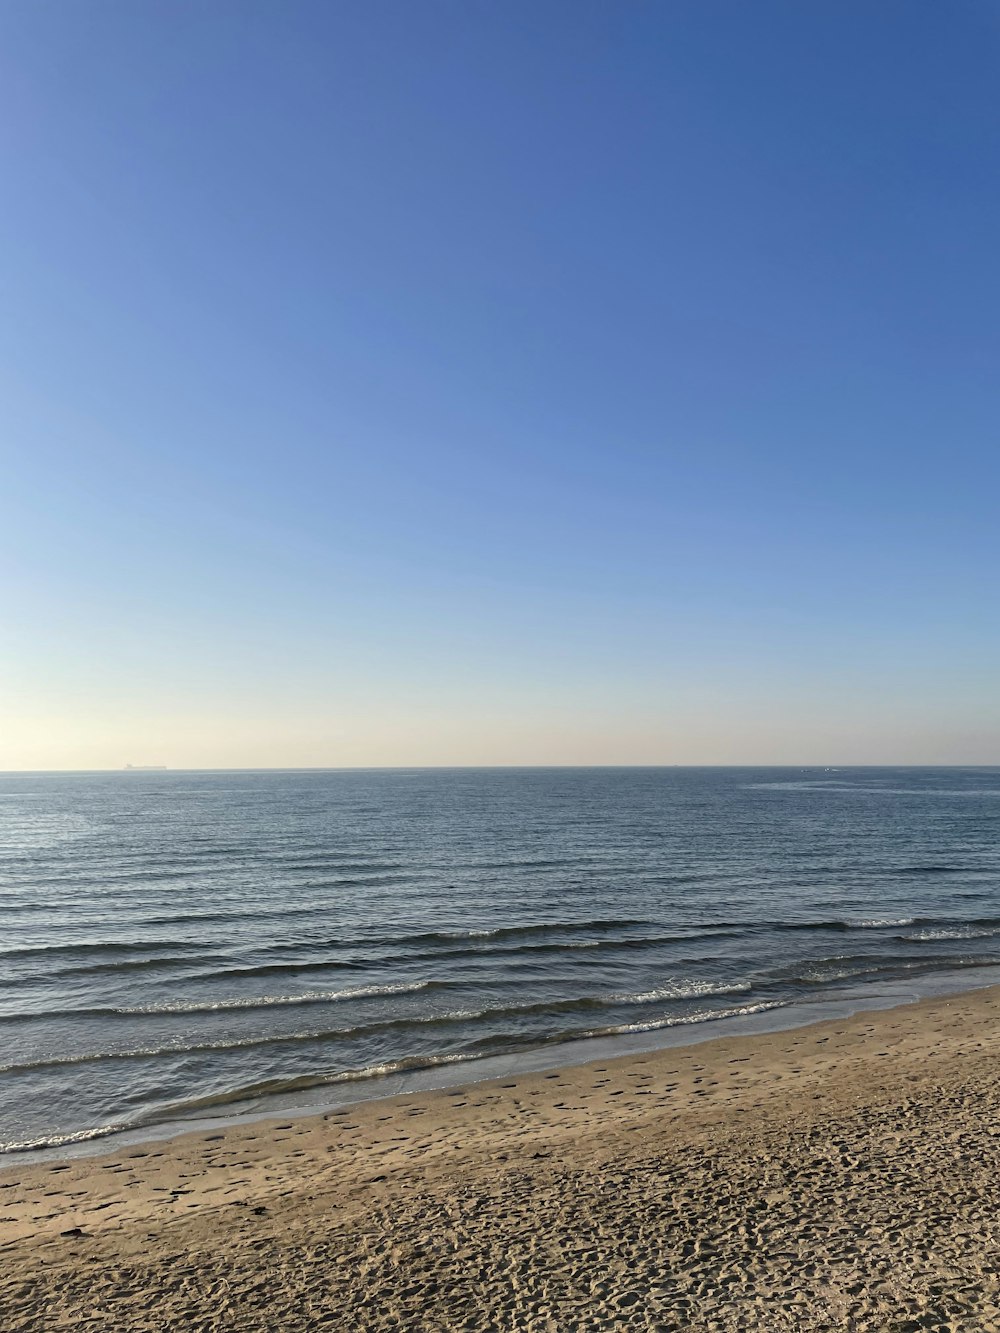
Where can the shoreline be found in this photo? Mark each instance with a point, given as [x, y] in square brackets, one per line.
[337, 1094]
[802, 1178]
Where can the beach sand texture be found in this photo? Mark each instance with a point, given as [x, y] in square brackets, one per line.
[840, 1176]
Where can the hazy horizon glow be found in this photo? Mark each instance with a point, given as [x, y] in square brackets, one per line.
[538, 384]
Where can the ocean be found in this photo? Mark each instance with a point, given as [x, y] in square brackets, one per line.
[181, 945]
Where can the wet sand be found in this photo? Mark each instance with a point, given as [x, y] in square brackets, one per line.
[839, 1176]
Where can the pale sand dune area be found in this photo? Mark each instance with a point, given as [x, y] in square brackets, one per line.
[844, 1175]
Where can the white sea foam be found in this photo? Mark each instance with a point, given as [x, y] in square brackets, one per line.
[954, 933]
[703, 1016]
[265, 1001]
[880, 922]
[403, 1066]
[681, 990]
[62, 1140]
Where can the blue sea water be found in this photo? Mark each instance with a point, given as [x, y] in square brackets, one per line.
[174, 944]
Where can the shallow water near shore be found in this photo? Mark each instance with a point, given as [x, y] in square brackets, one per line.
[320, 1099]
[179, 946]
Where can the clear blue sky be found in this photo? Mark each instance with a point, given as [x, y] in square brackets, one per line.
[528, 382]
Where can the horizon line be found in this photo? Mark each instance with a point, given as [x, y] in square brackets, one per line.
[158, 769]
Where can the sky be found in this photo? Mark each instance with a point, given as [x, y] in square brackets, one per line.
[545, 382]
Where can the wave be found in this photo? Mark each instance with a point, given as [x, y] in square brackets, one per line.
[483, 1050]
[882, 922]
[835, 923]
[65, 1140]
[400, 1023]
[351, 864]
[683, 1020]
[428, 947]
[531, 863]
[35, 979]
[282, 969]
[970, 932]
[431, 955]
[930, 870]
[266, 1001]
[682, 990]
[242, 1043]
[823, 971]
[79, 957]
[237, 914]
[498, 947]
[673, 990]
[707, 929]
[879, 923]
[891, 922]
[305, 1082]
[511, 932]
[230, 1003]
[86, 947]
[144, 964]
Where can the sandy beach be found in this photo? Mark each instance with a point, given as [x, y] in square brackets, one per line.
[839, 1176]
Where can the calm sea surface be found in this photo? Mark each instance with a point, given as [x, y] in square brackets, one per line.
[174, 944]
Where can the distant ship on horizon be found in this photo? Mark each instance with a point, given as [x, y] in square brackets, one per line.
[146, 768]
